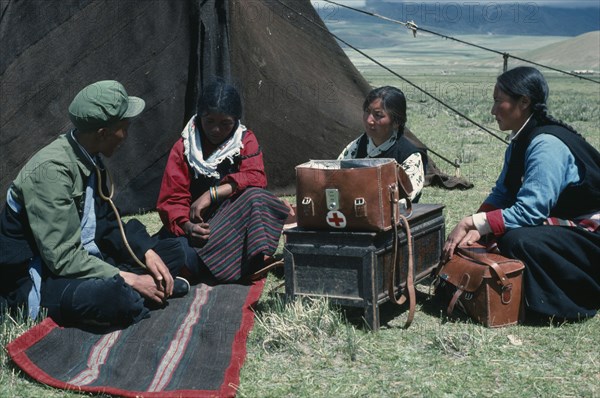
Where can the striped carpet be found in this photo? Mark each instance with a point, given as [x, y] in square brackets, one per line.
[195, 347]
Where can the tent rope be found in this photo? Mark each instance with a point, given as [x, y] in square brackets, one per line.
[324, 28]
[414, 28]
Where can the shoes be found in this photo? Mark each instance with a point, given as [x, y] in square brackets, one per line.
[181, 287]
[269, 263]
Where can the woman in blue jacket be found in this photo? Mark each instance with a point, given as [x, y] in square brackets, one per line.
[545, 207]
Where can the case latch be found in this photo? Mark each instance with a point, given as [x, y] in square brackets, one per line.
[308, 207]
[332, 199]
[360, 207]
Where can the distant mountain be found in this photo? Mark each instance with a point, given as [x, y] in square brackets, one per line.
[463, 18]
[581, 52]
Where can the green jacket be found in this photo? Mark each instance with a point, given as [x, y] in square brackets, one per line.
[51, 190]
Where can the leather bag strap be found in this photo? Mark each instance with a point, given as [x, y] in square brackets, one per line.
[459, 291]
[410, 293]
[405, 187]
[482, 259]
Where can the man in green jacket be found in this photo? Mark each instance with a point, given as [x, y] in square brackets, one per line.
[62, 244]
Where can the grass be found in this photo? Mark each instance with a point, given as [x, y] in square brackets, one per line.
[13, 383]
[288, 357]
[311, 348]
[432, 358]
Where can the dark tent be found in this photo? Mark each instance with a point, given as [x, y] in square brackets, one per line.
[301, 94]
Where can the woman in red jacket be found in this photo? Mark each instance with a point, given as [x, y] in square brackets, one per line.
[213, 192]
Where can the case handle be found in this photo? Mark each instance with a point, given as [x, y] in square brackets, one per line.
[502, 278]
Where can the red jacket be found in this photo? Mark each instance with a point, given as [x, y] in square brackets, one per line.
[175, 198]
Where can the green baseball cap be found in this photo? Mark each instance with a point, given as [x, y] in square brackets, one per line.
[101, 104]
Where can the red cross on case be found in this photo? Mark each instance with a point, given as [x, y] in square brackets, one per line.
[336, 219]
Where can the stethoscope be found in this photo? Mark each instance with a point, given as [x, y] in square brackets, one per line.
[111, 192]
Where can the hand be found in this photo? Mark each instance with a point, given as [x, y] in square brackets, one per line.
[199, 206]
[291, 212]
[464, 234]
[144, 285]
[160, 272]
[197, 233]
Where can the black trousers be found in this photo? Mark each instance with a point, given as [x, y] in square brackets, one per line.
[97, 301]
[562, 271]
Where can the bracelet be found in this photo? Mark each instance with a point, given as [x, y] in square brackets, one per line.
[214, 194]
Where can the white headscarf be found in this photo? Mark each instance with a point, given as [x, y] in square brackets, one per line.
[192, 145]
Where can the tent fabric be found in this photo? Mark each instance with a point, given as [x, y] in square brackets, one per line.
[193, 348]
[52, 49]
[301, 94]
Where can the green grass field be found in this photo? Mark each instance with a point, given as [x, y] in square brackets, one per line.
[309, 349]
[312, 349]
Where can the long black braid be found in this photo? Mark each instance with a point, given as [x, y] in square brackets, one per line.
[540, 113]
